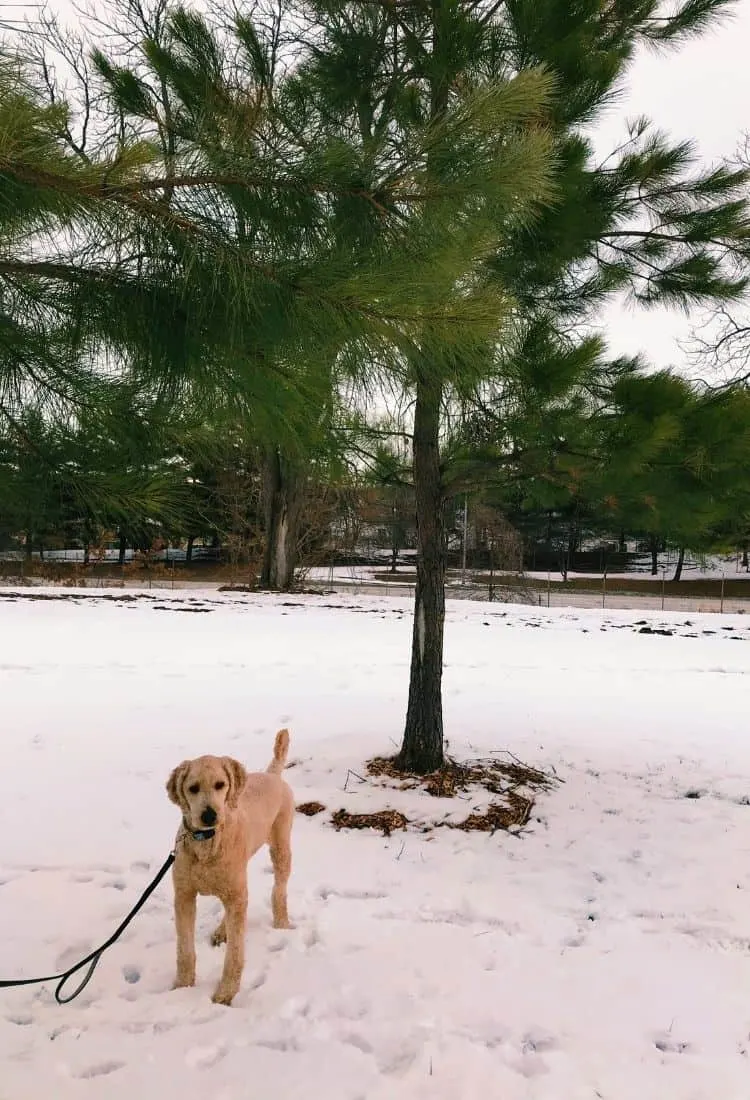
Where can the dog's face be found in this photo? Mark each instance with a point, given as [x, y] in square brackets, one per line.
[205, 788]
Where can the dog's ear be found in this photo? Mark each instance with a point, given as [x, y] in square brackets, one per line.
[236, 776]
[174, 784]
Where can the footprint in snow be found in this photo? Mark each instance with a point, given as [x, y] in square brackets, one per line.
[311, 937]
[131, 974]
[530, 1065]
[574, 941]
[287, 1044]
[397, 1062]
[667, 1044]
[538, 1041]
[258, 981]
[205, 1057]
[72, 955]
[101, 1069]
[358, 1042]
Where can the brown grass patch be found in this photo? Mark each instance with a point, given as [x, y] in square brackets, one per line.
[310, 809]
[514, 815]
[385, 820]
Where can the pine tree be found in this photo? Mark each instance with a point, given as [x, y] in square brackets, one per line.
[285, 244]
[645, 221]
[673, 462]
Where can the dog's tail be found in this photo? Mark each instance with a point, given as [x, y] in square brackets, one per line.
[280, 753]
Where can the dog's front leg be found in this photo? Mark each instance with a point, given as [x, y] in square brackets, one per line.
[235, 920]
[184, 915]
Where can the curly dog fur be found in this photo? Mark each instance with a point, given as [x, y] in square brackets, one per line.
[244, 810]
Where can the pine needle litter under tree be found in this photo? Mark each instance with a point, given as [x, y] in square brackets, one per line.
[310, 809]
[387, 820]
[513, 784]
[493, 774]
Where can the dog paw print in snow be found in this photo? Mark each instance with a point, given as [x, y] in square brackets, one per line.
[205, 1057]
[666, 1043]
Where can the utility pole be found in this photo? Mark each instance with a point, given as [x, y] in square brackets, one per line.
[463, 541]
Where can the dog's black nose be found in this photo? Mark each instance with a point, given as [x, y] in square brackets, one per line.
[208, 817]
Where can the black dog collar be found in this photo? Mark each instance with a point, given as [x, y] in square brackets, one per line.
[200, 834]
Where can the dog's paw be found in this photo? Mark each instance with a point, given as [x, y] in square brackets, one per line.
[182, 982]
[223, 996]
[284, 925]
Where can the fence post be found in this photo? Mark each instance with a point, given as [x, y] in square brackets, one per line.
[721, 609]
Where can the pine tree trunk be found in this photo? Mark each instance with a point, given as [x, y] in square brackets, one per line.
[422, 749]
[680, 563]
[654, 547]
[122, 550]
[422, 746]
[189, 549]
[86, 553]
[745, 562]
[29, 546]
[282, 508]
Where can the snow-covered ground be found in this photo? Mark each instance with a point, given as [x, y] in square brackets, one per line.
[604, 953]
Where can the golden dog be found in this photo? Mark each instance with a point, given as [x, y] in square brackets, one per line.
[227, 815]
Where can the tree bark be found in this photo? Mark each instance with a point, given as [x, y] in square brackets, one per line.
[422, 746]
[122, 550]
[282, 511]
[189, 549]
[29, 546]
[654, 547]
[422, 749]
[680, 563]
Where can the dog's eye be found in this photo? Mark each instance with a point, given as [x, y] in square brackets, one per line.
[194, 788]
[220, 785]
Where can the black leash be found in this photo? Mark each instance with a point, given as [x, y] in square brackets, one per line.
[95, 956]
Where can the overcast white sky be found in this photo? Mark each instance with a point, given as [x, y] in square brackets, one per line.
[700, 92]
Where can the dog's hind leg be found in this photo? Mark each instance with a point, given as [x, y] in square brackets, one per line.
[281, 860]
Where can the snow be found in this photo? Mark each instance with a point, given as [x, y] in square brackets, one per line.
[603, 953]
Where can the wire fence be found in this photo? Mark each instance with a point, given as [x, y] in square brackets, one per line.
[521, 592]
